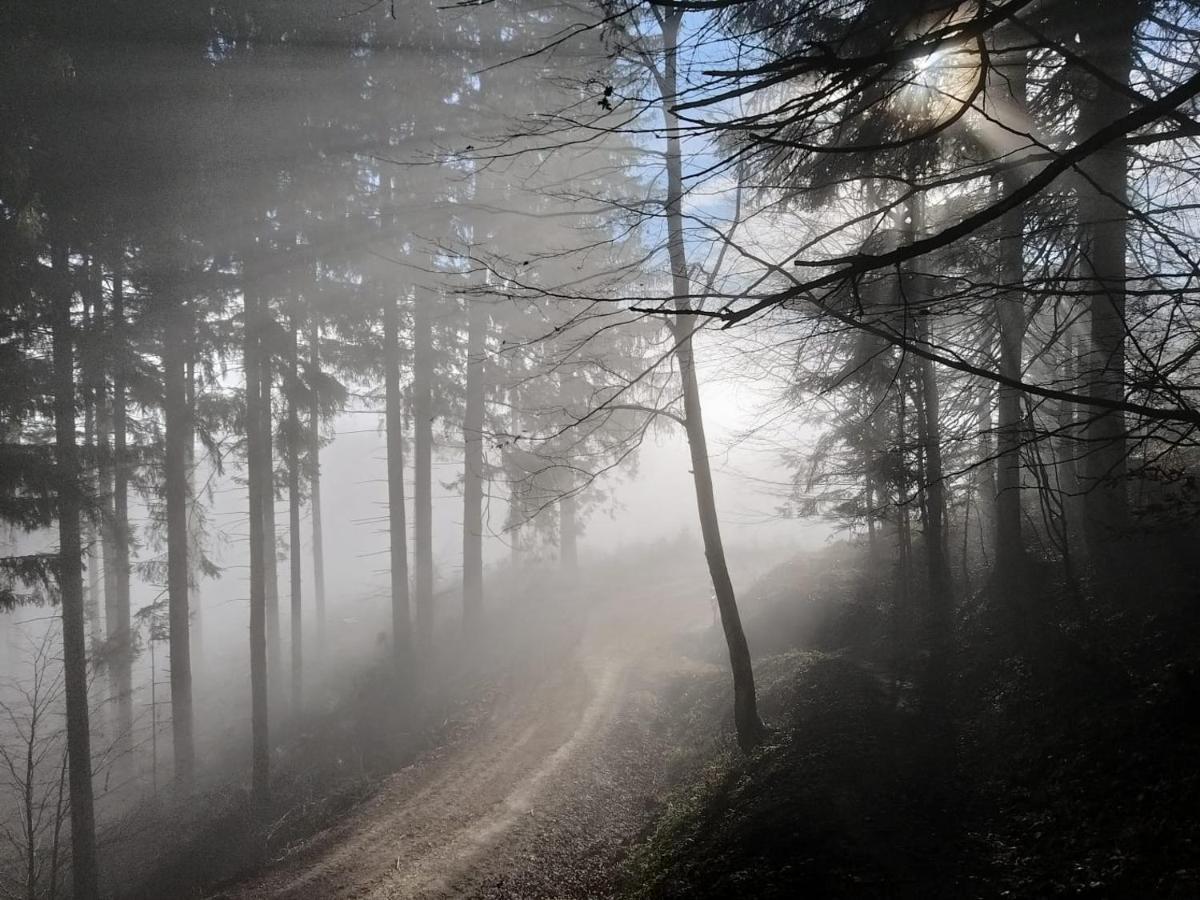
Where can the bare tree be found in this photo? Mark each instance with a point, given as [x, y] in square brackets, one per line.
[33, 771]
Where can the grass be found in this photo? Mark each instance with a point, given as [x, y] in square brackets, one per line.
[816, 811]
[1072, 775]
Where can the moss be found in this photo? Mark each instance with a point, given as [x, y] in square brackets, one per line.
[681, 815]
[811, 810]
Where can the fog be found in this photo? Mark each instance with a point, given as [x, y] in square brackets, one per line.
[664, 449]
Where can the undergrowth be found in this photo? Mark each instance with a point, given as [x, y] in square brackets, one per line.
[1068, 772]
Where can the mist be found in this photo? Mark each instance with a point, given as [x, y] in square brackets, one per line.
[593, 450]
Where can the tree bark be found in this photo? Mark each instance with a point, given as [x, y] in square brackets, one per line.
[1010, 316]
[104, 450]
[473, 418]
[422, 467]
[904, 549]
[258, 470]
[95, 429]
[750, 729]
[174, 362]
[314, 455]
[936, 555]
[117, 607]
[91, 531]
[933, 488]
[397, 526]
[70, 583]
[514, 498]
[195, 535]
[1103, 212]
[1067, 446]
[568, 527]
[1007, 86]
[293, 466]
[985, 473]
[869, 514]
[266, 379]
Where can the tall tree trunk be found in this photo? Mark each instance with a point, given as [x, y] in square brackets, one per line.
[937, 557]
[750, 729]
[985, 472]
[1010, 421]
[514, 498]
[93, 377]
[195, 537]
[117, 607]
[91, 531]
[397, 530]
[314, 456]
[104, 428]
[422, 467]
[1067, 446]
[174, 361]
[258, 470]
[270, 541]
[293, 465]
[904, 550]
[1011, 325]
[1103, 212]
[869, 513]
[70, 583]
[922, 471]
[933, 488]
[473, 417]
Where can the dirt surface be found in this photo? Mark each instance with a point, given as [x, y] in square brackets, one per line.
[538, 799]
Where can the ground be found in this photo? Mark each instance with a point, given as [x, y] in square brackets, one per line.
[604, 766]
[540, 797]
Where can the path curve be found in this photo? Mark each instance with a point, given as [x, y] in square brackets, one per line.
[564, 750]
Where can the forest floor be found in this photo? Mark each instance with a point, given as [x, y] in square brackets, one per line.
[1069, 774]
[539, 797]
[606, 768]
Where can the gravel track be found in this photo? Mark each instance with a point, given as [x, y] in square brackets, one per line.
[538, 800]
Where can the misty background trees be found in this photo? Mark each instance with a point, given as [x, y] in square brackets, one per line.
[954, 244]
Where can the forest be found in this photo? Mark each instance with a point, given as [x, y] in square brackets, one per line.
[599, 449]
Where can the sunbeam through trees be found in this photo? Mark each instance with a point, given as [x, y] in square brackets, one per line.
[599, 449]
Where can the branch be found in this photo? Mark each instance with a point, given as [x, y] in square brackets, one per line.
[861, 263]
[925, 351]
[649, 410]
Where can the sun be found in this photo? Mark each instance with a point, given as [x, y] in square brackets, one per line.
[937, 85]
[925, 63]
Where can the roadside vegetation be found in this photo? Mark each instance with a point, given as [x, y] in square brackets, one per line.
[1071, 774]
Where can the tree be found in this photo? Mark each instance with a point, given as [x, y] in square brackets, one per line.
[292, 441]
[473, 465]
[949, 84]
[33, 763]
[397, 533]
[424, 304]
[314, 458]
[175, 342]
[1009, 85]
[745, 703]
[259, 471]
[84, 872]
[117, 608]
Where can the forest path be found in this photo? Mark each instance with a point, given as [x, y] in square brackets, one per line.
[538, 799]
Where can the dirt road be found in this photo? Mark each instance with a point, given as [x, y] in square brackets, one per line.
[536, 802]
